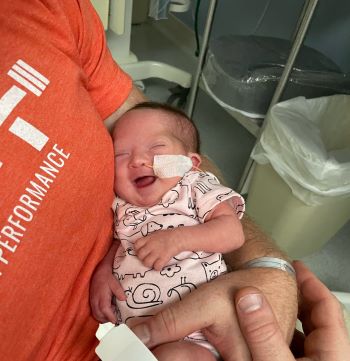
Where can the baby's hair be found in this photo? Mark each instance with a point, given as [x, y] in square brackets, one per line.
[184, 129]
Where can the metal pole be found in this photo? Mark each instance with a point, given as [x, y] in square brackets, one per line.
[298, 41]
[195, 84]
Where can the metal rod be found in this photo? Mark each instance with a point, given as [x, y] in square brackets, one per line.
[307, 14]
[301, 16]
[299, 38]
[195, 83]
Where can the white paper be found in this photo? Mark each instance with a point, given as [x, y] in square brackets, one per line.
[120, 344]
[103, 329]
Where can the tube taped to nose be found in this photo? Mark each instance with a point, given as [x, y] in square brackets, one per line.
[167, 166]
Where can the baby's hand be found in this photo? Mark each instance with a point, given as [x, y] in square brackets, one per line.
[103, 287]
[156, 249]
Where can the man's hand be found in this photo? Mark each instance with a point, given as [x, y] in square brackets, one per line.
[259, 337]
[156, 249]
[211, 309]
[321, 316]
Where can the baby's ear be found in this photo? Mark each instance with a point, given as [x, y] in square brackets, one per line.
[195, 158]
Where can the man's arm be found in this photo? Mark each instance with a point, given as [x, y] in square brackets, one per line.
[257, 244]
[321, 317]
[135, 97]
[278, 286]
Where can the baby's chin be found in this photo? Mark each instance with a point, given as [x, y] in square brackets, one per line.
[146, 203]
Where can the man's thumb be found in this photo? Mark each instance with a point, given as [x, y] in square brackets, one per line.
[259, 327]
[163, 327]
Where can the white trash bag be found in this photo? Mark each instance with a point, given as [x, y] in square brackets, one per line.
[307, 142]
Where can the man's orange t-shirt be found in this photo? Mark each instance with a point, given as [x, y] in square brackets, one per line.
[57, 83]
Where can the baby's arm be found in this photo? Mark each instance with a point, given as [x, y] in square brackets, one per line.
[104, 286]
[221, 232]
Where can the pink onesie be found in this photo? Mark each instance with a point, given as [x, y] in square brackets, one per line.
[187, 204]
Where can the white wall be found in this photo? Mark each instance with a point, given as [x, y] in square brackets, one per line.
[329, 31]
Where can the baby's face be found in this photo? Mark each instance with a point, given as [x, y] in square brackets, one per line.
[138, 136]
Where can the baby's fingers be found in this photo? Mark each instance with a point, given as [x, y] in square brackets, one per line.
[97, 304]
[118, 291]
[150, 260]
[107, 314]
[140, 243]
[155, 262]
[143, 252]
[160, 263]
[102, 309]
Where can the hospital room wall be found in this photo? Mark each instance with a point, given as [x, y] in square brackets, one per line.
[328, 33]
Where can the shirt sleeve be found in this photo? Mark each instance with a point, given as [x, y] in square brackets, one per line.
[207, 193]
[107, 83]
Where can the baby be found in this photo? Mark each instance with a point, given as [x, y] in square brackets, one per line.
[173, 221]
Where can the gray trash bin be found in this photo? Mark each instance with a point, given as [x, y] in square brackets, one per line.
[300, 189]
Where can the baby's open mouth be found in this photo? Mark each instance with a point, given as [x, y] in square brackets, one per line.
[144, 181]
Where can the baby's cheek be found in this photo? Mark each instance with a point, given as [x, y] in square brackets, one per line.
[169, 182]
[120, 183]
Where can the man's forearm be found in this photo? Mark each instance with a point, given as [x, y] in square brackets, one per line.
[135, 97]
[257, 244]
[279, 287]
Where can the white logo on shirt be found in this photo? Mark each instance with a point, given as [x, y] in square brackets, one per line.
[36, 83]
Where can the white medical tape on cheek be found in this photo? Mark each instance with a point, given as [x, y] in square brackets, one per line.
[167, 166]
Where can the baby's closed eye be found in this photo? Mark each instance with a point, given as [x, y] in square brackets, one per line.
[158, 146]
[121, 154]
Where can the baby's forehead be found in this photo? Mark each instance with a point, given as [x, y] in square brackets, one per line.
[156, 115]
[150, 118]
[154, 124]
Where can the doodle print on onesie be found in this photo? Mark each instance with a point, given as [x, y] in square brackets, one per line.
[187, 204]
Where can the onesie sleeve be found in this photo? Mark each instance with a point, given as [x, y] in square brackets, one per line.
[207, 193]
[107, 84]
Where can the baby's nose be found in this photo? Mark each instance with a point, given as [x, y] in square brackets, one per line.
[140, 159]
